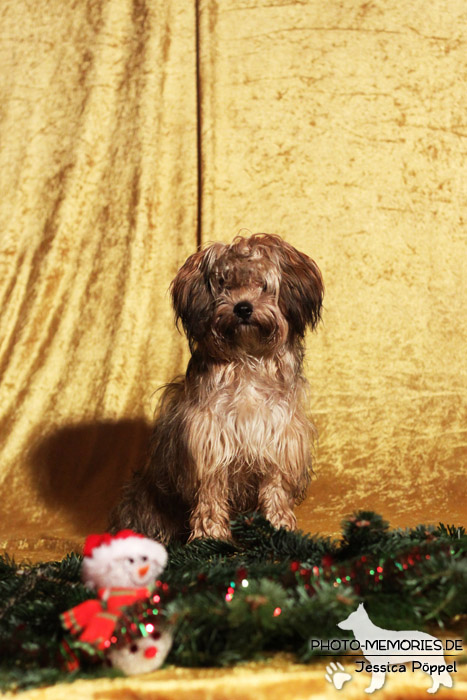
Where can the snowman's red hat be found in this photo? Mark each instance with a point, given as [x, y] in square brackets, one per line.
[93, 541]
[123, 543]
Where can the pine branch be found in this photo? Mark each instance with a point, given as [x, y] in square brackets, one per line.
[267, 590]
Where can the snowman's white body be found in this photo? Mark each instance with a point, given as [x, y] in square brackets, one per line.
[143, 655]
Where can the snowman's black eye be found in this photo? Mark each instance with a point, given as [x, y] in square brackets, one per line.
[144, 558]
[131, 560]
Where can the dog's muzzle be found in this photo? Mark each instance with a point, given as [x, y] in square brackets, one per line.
[243, 310]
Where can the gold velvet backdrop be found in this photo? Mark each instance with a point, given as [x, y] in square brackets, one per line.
[132, 129]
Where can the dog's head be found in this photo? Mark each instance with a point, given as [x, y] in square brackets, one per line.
[252, 296]
[355, 619]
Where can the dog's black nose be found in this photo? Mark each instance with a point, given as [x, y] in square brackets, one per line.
[243, 309]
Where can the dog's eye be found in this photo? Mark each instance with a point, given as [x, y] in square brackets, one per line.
[265, 287]
[221, 282]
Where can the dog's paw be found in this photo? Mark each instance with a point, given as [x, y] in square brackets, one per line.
[337, 675]
[286, 520]
[211, 531]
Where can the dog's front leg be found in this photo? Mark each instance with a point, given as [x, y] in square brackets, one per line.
[377, 681]
[275, 501]
[210, 515]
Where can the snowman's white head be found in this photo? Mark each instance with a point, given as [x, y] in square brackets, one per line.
[124, 560]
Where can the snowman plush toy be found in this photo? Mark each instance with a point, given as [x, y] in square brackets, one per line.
[122, 568]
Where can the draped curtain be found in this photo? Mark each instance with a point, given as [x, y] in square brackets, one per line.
[132, 131]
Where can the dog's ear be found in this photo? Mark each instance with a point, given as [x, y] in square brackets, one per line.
[301, 290]
[191, 294]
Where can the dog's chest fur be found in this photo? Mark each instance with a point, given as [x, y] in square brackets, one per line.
[243, 418]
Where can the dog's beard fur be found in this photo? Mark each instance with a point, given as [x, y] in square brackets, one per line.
[232, 435]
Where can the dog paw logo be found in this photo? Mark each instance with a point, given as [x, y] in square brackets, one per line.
[337, 675]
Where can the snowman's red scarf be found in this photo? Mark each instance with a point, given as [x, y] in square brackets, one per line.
[95, 620]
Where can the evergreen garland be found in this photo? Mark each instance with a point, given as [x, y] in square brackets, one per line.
[270, 590]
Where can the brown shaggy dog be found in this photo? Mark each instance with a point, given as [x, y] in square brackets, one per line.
[232, 435]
